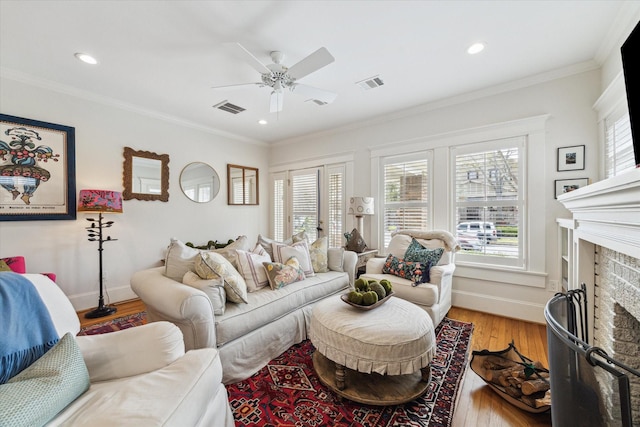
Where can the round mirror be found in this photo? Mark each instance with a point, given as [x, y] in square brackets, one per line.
[199, 182]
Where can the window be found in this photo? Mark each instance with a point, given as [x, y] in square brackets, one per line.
[278, 202]
[489, 208]
[618, 145]
[336, 204]
[303, 201]
[406, 194]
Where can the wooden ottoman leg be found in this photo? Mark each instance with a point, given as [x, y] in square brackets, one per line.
[340, 373]
[426, 373]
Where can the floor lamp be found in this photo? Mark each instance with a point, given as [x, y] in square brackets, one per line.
[100, 201]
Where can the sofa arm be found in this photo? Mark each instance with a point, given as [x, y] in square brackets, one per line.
[349, 265]
[188, 308]
[374, 265]
[440, 273]
[131, 351]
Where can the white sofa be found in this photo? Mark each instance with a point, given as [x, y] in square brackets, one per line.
[139, 376]
[247, 336]
[434, 296]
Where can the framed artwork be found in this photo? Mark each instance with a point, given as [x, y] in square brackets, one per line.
[563, 186]
[571, 158]
[37, 170]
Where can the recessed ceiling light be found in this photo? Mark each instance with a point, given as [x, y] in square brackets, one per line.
[86, 58]
[476, 48]
[262, 122]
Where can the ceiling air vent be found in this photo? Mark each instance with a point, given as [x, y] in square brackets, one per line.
[228, 107]
[317, 101]
[371, 83]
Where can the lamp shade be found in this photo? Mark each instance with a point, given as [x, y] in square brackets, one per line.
[104, 201]
[359, 206]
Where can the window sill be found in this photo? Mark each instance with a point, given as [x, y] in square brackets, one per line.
[501, 275]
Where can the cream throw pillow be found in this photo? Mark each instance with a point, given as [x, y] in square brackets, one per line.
[251, 268]
[213, 288]
[319, 256]
[300, 250]
[229, 251]
[212, 265]
[179, 259]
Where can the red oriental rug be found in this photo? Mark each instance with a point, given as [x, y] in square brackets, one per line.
[287, 391]
[116, 324]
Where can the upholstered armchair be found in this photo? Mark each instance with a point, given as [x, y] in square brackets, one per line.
[135, 377]
[426, 284]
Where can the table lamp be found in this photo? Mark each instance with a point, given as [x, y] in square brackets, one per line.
[360, 206]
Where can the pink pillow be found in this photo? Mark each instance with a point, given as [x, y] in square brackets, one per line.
[16, 264]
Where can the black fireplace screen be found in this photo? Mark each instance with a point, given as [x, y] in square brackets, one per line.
[578, 371]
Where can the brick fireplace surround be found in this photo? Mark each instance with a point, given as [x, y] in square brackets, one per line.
[606, 219]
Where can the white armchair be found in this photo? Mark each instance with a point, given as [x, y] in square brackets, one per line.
[435, 296]
[139, 376]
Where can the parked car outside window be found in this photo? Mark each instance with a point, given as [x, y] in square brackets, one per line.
[482, 231]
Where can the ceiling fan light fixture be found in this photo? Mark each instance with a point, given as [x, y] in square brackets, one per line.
[86, 58]
[476, 47]
[262, 122]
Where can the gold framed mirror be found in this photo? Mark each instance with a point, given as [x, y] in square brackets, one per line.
[199, 182]
[242, 185]
[145, 175]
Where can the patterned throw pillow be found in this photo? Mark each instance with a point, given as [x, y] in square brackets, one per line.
[416, 272]
[417, 252]
[16, 264]
[355, 242]
[318, 251]
[211, 265]
[281, 275]
[4, 266]
[40, 392]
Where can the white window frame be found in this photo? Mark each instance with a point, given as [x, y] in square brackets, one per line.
[533, 273]
[395, 159]
[518, 262]
[343, 163]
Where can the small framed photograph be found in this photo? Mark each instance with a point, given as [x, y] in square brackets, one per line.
[563, 186]
[571, 158]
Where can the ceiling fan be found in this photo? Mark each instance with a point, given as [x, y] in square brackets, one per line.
[279, 77]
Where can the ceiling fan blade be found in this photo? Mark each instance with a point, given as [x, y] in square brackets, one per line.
[318, 59]
[244, 55]
[275, 105]
[311, 92]
[238, 86]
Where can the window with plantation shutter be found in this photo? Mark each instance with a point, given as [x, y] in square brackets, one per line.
[336, 203]
[618, 145]
[279, 203]
[310, 200]
[406, 194]
[305, 204]
[489, 201]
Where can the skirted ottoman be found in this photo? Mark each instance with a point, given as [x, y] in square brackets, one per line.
[379, 356]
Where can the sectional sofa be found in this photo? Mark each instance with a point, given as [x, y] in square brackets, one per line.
[247, 334]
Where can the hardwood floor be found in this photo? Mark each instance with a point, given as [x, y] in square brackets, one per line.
[478, 405]
[125, 308]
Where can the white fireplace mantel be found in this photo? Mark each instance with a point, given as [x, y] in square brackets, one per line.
[607, 213]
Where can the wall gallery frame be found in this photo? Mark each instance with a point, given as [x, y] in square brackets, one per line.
[37, 170]
[571, 158]
[563, 186]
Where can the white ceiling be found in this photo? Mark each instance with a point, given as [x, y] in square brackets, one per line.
[163, 57]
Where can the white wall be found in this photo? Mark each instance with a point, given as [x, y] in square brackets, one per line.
[567, 100]
[144, 229]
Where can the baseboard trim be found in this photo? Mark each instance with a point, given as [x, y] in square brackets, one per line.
[515, 309]
[90, 299]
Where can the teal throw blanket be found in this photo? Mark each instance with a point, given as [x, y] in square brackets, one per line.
[26, 329]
